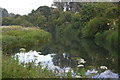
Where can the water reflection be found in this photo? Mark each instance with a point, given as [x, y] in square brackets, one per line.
[62, 64]
[67, 53]
[48, 61]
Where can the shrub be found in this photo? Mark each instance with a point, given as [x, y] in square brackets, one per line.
[12, 69]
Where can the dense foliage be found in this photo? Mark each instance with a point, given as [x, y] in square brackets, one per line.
[96, 21]
[95, 25]
[12, 69]
[90, 20]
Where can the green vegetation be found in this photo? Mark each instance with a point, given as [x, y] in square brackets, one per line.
[12, 69]
[96, 21]
[91, 20]
[95, 25]
[17, 37]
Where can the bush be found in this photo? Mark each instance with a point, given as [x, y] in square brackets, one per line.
[12, 69]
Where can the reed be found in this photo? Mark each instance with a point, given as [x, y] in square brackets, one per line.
[17, 37]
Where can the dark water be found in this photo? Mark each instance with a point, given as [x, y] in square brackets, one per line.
[63, 55]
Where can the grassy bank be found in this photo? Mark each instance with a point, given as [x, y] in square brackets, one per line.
[12, 69]
[17, 37]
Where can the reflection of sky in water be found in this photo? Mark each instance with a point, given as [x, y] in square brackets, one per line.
[47, 60]
[44, 60]
[33, 56]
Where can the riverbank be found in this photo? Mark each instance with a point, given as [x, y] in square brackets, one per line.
[61, 50]
[12, 69]
[17, 36]
[21, 37]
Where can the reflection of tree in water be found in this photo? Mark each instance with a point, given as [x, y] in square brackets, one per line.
[99, 55]
[93, 54]
[63, 60]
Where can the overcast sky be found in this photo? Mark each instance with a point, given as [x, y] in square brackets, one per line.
[23, 6]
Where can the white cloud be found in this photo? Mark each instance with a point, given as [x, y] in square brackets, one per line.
[23, 6]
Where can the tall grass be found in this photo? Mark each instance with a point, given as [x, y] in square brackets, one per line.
[16, 37]
[12, 69]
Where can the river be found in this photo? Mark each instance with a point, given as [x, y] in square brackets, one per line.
[82, 56]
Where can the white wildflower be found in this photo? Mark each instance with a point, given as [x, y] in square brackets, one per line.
[81, 61]
[103, 67]
[22, 49]
[80, 65]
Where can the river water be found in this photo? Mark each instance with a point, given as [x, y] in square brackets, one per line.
[80, 57]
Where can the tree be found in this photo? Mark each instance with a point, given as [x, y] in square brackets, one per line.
[59, 5]
[7, 21]
[44, 10]
[41, 21]
[66, 17]
[95, 25]
[4, 13]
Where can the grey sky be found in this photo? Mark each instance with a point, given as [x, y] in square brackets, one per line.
[23, 6]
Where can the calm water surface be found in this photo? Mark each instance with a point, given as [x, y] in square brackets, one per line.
[74, 56]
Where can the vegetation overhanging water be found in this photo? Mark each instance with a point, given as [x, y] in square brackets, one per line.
[64, 59]
[86, 35]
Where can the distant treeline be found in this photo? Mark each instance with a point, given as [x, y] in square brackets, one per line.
[97, 21]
